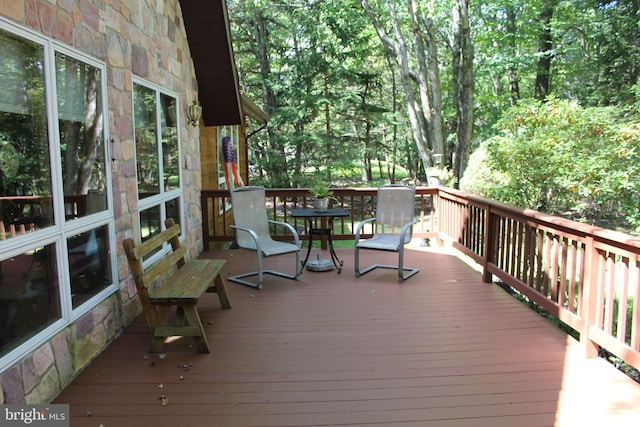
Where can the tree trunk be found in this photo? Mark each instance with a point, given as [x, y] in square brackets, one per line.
[390, 138]
[545, 46]
[416, 110]
[92, 132]
[421, 108]
[512, 74]
[428, 77]
[275, 153]
[463, 80]
[71, 154]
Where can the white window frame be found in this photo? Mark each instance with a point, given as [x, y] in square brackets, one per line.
[163, 196]
[58, 233]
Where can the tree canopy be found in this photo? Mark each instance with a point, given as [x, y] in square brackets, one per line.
[423, 83]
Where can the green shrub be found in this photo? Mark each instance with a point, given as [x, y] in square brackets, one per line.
[559, 158]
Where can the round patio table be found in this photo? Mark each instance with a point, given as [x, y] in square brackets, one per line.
[326, 218]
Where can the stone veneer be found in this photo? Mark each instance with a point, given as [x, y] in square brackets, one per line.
[145, 38]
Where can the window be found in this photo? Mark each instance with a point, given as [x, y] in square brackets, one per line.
[26, 187]
[157, 157]
[89, 266]
[80, 100]
[80, 124]
[29, 295]
[56, 223]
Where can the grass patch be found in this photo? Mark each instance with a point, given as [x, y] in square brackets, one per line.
[350, 175]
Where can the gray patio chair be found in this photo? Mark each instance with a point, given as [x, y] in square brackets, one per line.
[392, 228]
[252, 232]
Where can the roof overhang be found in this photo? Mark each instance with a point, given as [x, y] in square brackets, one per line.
[207, 26]
[252, 110]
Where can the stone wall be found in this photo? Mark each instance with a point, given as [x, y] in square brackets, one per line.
[143, 38]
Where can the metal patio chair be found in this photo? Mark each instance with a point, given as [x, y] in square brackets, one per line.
[252, 232]
[392, 228]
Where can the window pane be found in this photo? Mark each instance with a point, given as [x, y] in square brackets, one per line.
[148, 166]
[29, 295]
[80, 119]
[173, 210]
[25, 181]
[170, 155]
[89, 264]
[150, 222]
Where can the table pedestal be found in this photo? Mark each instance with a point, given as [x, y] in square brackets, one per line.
[319, 264]
[310, 214]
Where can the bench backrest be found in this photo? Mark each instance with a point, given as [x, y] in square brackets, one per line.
[144, 278]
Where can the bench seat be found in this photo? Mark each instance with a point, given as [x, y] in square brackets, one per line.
[170, 288]
[194, 278]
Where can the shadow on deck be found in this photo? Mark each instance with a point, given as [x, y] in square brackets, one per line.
[441, 349]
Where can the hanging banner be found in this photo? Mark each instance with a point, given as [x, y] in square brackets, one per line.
[231, 175]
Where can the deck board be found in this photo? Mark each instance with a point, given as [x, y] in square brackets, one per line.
[441, 349]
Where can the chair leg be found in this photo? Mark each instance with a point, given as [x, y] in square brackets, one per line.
[239, 279]
[356, 261]
[365, 270]
[261, 272]
[357, 264]
[400, 267]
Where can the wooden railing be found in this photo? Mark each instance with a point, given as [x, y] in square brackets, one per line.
[20, 215]
[587, 277]
[281, 202]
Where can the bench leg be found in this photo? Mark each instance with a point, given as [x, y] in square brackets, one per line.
[193, 318]
[187, 324]
[162, 319]
[221, 290]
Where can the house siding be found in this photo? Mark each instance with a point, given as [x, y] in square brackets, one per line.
[144, 39]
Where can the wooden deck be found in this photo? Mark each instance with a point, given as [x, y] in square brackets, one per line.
[442, 349]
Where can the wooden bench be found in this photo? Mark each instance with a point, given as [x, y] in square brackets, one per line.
[173, 281]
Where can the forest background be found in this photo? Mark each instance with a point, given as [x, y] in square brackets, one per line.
[531, 102]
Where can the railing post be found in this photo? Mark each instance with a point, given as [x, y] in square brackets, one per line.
[204, 206]
[489, 246]
[589, 304]
[433, 212]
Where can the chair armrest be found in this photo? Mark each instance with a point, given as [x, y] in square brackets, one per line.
[406, 228]
[248, 230]
[360, 225]
[288, 226]
[251, 233]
